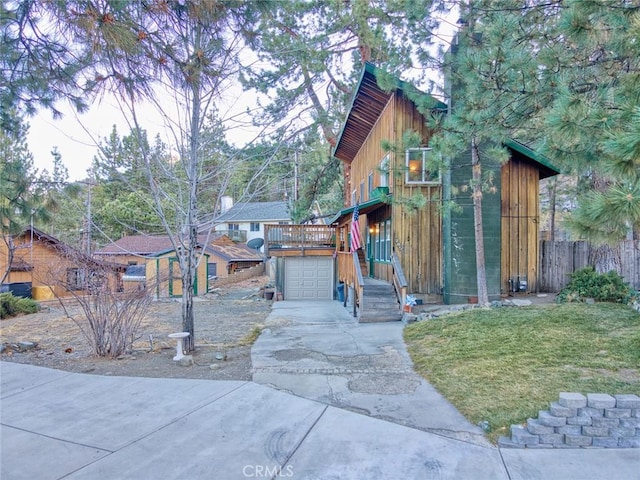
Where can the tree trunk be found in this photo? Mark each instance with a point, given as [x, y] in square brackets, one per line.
[481, 273]
[605, 258]
[10, 254]
[553, 189]
[187, 314]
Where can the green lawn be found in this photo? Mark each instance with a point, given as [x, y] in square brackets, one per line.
[504, 365]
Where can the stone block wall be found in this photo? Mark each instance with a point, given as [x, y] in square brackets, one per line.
[575, 420]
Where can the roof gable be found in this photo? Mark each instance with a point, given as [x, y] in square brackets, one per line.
[544, 165]
[369, 100]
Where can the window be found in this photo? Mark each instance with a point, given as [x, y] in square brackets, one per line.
[75, 279]
[234, 226]
[370, 184]
[419, 167]
[380, 241]
[361, 199]
[212, 270]
[353, 198]
[384, 171]
[254, 227]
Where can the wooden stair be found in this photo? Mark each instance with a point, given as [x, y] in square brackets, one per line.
[380, 302]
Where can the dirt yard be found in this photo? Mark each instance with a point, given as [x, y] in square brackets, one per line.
[225, 321]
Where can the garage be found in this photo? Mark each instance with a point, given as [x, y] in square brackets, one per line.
[308, 278]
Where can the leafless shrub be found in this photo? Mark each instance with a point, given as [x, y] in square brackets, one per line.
[110, 316]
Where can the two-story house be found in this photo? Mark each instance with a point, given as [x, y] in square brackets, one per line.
[408, 239]
[245, 221]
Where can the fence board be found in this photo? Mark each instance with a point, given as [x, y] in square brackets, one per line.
[560, 258]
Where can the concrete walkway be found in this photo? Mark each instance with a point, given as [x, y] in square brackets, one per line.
[57, 425]
[317, 350]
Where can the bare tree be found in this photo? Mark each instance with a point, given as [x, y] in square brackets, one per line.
[110, 317]
[176, 59]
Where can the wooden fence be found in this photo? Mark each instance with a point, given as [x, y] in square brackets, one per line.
[560, 258]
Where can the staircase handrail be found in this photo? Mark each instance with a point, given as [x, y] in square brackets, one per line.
[399, 280]
[358, 286]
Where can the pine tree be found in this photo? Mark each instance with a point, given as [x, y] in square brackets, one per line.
[20, 201]
[592, 127]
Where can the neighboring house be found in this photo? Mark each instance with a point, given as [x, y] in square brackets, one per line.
[44, 267]
[156, 254]
[251, 217]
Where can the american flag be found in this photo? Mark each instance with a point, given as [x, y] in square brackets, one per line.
[355, 229]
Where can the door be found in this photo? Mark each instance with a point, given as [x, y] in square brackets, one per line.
[308, 278]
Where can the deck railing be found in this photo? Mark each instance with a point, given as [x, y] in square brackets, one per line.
[399, 280]
[301, 237]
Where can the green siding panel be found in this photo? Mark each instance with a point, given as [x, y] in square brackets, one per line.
[459, 242]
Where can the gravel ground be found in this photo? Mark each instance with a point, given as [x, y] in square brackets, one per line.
[224, 321]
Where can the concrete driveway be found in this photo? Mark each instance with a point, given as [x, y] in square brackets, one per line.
[61, 425]
[317, 350]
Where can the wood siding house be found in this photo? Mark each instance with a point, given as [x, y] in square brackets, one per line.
[50, 267]
[382, 182]
[431, 251]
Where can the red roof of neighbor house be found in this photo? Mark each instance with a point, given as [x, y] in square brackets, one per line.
[148, 244]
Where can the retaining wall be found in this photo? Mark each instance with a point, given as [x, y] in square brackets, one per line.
[575, 420]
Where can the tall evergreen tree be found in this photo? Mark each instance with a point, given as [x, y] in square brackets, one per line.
[592, 125]
[20, 200]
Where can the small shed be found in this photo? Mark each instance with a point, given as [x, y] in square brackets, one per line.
[163, 275]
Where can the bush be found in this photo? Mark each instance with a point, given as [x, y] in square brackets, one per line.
[10, 306]
[602, 287]
[27, 306]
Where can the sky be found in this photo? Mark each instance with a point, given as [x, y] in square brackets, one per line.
[76, 135]
[67, 134]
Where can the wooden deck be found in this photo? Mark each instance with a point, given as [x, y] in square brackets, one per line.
[298, 240]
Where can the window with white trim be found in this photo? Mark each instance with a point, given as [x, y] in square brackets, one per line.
[420, 168]
[384, 171]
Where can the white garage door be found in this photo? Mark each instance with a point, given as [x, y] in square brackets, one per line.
[308, 278]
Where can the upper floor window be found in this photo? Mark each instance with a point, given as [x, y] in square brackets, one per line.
[370, 184]
[254, 227]
[419, 169]
[234, 226]
[384, 171]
